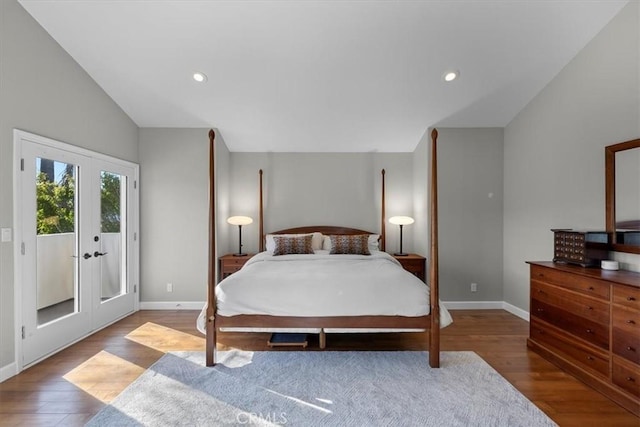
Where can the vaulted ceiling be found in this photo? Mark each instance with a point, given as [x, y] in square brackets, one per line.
[335, 76]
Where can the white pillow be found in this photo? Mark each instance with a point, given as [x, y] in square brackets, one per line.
[316, 240]
[373, 242]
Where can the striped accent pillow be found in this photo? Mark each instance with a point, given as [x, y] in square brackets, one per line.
[354, 245]
[293, 245]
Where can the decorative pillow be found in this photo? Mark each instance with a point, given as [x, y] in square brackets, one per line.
[374, 242]
[293, 245]
[354, 245]
[316, 241]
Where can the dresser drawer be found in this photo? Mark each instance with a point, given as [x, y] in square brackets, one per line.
[627, 345]
[413, 265]
[626, 375]
[590, 331]
[583, 306]
[588, 359]
[586, 285]
[627, 296]
[235, 261]
[229, 269]
[626, 320]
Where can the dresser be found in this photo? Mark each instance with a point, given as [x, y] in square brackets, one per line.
[230, 263]
[413, 263]
[587, 321]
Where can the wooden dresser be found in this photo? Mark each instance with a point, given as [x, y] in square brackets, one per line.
[587, 321]
[413, 263]
[230, 263]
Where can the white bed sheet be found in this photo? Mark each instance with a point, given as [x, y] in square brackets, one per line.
[322, 285]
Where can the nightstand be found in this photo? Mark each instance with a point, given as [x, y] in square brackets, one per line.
[413, 263]
[229, 264]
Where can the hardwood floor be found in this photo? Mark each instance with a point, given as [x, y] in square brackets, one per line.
[70, 387]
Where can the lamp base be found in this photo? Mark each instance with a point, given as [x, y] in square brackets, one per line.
[400, 254]
[239, 254]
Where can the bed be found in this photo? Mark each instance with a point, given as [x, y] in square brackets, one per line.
[324, 292]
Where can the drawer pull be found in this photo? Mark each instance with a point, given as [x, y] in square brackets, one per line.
[631, 298]
[631, 379]
[591, 288]
[589, 331]
[589, 307]
[629, 348]
[631, 322]
[589, 357]
[540, 310]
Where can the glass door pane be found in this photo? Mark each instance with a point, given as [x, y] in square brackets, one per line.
[56, 240]
[112, 252]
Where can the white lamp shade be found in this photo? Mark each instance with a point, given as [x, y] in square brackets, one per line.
[401, 220]
[239, 220]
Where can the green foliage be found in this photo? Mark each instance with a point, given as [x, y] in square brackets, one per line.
[55, 204]
[110, 202]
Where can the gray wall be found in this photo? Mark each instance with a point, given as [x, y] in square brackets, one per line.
[321, 189]
[421, 186]
[470, 166]
[554, 149]
[44, 91]
[174, 182]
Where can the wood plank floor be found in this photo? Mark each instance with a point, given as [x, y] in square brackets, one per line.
[71, 386]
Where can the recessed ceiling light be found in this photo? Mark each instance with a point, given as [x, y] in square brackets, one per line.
[450, 76]
[200, 77]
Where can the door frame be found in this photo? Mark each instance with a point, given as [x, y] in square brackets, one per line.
[18, 136]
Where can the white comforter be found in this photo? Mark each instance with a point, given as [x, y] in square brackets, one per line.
[322, 285]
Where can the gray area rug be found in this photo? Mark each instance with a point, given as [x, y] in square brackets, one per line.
[326, 388]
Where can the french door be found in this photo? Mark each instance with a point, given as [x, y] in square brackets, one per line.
[78, 255]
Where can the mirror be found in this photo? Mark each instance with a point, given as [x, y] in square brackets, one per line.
[622, 192]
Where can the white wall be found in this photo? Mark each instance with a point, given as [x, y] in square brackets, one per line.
[174, 183]
[554, 148]
[44, 91]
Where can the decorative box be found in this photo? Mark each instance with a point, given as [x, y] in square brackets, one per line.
[585, 248]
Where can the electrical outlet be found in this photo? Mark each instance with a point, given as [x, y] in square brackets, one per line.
[169, 287]
[6, 235]
[474, 287]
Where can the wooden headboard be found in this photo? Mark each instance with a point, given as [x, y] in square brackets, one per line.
[324, 229]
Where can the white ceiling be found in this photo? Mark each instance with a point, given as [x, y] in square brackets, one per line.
[332, 76]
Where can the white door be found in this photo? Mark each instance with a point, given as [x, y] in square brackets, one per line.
[113, 259]
[77, 260]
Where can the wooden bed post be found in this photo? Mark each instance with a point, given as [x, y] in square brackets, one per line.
[383, 234]
[434, 333]
[211, 298]
[261, 220]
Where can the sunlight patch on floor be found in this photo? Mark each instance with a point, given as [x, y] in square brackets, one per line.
[104, 376]
[165, 339]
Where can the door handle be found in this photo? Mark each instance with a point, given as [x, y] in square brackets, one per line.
[97, 254]
[87, 255]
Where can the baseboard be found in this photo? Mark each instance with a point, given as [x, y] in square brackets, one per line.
[473, 305]
[450, 305]
[8, 371]
[171, 305]
[516, 311]
[486, 305]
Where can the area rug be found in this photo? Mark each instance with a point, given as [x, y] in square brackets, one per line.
[303, 388]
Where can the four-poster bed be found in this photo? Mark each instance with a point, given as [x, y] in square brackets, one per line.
[218, 316]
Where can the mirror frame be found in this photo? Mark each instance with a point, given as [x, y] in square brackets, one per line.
[610, 193]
